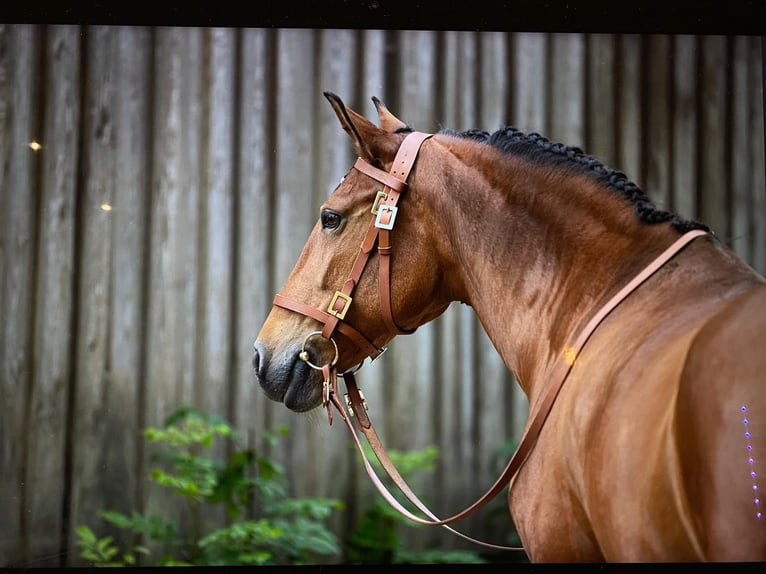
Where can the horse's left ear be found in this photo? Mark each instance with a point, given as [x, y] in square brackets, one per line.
[371, 142]
[388, 121]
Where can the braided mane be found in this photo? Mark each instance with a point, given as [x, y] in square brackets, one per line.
[538, 149]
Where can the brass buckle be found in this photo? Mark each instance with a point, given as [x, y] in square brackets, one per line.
[348, 402]
[346, 304]
[392, 209]
[381, 196]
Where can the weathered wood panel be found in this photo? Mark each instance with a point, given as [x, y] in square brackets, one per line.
[45, 464]
[684, 132]
[93, 423]
[600, 126]
[567, 89]
[753, 99]
[171, 341]
[657, 141]
[629, 100]
[214, 149]
[328, 447]
[713, 162]
[123, 481]
[530, 86]
[19, 203]
[254, 243]
[295, 214]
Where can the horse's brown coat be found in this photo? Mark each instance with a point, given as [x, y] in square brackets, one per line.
[643, 455]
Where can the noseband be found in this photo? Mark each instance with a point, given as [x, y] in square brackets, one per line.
[384, 211]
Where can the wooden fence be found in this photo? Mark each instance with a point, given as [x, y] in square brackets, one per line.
[157, 185]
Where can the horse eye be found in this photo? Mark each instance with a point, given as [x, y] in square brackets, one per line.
[330, 219]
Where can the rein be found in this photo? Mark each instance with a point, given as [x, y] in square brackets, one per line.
[385, 210]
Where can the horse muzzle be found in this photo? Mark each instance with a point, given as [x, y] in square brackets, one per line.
[287, 374]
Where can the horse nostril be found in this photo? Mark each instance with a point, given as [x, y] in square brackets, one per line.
[259, 359]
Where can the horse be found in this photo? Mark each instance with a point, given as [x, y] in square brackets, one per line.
[651, 449]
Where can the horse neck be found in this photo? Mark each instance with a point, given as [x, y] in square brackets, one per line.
[539, 251]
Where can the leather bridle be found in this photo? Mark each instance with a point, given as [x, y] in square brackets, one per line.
[384, 211]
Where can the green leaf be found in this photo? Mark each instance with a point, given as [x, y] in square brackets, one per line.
[85, 535]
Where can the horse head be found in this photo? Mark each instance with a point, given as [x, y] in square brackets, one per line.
[341, 303]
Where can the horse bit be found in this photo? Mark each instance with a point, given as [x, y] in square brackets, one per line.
[384, 211]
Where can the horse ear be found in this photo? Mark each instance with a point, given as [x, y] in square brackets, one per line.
[388, 121]
[370, 141]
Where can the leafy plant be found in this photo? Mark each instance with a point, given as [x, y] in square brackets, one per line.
[375, 540]
[289, 531]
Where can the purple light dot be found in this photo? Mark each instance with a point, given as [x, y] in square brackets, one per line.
[751, 461]
[757, 501]
[743, 409]
[755, 487]
[747, 435]
[753, 475]
[745, 422]
[759, 515]
[749, 448]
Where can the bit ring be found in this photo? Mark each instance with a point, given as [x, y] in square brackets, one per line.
[304, 355]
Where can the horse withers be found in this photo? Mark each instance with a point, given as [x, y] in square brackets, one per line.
[652, 448]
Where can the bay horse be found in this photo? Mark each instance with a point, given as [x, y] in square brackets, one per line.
[651, 450]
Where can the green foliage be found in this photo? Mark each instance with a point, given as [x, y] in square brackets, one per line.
[102, 551]
[375, 540]
[288, 531]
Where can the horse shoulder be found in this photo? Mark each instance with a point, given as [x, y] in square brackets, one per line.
[725, 371]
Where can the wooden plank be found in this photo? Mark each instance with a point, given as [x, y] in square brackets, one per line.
[530, 84]
[294, 217]
[212, 384]
[494, 81]
[757, 157]
[19, 97]
[629, 137]
[173, 274]
[374, 82]
[411, 407]
[713, 164]
[601, 97]
[217, 223]
[450, 81]
[122, 442]
[372, 57]
[684, 130]
[46, 426]
[741, 174]
[567, 89]
[337, 67]
[657, 141]
[254, 208]
[468, 80]
[93, 297]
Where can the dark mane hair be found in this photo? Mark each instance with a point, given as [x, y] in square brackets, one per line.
[537, 149]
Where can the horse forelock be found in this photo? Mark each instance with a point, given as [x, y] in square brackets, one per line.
[535, 148]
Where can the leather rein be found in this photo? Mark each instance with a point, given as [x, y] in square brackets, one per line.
[384, 211]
